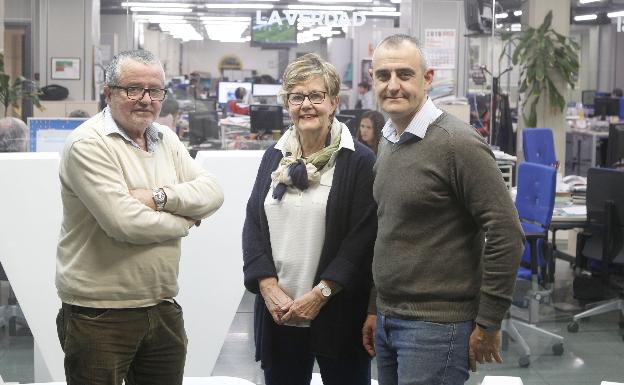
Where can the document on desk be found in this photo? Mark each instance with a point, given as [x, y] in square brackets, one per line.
[574, 210]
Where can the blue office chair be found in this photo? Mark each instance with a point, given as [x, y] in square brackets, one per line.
[535, 201]
[538, 146]
[603, 238]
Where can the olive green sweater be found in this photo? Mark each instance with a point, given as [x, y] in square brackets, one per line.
[438, 197]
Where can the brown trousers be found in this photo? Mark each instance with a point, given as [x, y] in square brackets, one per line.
[145, 346]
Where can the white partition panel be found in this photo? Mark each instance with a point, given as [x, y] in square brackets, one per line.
[210, 270]
[29, 227]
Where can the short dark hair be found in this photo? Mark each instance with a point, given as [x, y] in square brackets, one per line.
[617, 92]
[240, 93]
[400, 38]
[169, 106]
[364, 85]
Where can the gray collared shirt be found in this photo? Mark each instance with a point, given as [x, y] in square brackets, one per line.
[418, 126]
[152, 132]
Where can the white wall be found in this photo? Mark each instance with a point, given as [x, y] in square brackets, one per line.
[68, 29]
[166, 48]
[17, 9]
[119, 25]
[205, 56]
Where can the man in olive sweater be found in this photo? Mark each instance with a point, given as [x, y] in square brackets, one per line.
[442, 290]
[130, 192]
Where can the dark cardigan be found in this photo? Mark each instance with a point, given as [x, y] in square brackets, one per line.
[346, 258]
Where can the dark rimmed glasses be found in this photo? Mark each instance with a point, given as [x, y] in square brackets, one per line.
[315, 97]
[137, 93]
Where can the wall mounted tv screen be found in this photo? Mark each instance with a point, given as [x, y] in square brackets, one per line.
[273, 35]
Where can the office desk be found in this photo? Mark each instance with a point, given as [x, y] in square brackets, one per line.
[562, 220]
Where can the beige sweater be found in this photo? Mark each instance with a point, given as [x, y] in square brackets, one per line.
[113, 250]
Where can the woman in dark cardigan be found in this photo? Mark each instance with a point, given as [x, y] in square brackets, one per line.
[308, 239]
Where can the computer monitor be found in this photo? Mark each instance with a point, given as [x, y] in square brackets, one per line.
[606, 106]
[587, 97]
[266, 89]
[615, 146]
[266, 118]
[354, 123]
[227, 89]
[349, 121]
[202, 126]
[208, 104]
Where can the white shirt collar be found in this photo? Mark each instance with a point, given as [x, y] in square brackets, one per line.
[427, 114]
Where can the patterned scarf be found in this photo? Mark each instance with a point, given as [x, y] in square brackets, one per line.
[298, 172]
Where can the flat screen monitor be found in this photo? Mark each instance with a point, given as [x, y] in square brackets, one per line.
[615, 146]
[587, 97]
[208, 104]
[266, 89]
[606, 106]
[266, 118]
[274, 35]
[354, 123]
[349, 121]
[202, 126]
[227, 89]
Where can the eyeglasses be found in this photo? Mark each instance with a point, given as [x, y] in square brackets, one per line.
[315, 97]
[137, 93]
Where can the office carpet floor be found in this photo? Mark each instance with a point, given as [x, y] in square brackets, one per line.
[594, 354]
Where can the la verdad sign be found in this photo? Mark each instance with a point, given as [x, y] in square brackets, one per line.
[310, 18]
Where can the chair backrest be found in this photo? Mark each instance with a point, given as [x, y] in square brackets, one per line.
[605, 185]
[538, 146]
[535, 199]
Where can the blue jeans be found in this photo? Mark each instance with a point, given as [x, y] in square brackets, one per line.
[293, 362]
[421, 353]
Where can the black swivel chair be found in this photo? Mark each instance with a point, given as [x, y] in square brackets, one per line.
[603, 238]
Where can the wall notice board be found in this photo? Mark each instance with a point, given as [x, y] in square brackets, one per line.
[49, 134]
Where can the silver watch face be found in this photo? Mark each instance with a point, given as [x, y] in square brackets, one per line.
[326, 291]
[159, 196]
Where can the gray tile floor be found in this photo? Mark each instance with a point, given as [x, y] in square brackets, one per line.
[594, 354]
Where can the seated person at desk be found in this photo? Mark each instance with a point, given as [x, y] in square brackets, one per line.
[237, 106]
[169, 114]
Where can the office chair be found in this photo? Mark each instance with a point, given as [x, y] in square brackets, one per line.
[603, 238]
[535, 201]
[538, 146]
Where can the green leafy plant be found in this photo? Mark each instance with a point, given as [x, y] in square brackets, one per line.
[543, 55]
[22, 88]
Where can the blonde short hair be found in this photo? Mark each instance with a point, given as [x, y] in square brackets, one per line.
[306, 68]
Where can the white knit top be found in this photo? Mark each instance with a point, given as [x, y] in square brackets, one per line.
[297, 230]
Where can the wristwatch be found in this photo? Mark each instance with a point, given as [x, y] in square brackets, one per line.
[160, 198]
[326, 291]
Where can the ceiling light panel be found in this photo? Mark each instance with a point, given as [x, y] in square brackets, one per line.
[321, 7]
[156, 5]
[164, 10]
[238, 6]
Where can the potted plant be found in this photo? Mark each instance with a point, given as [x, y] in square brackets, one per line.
[543, 55]
[22, 88]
